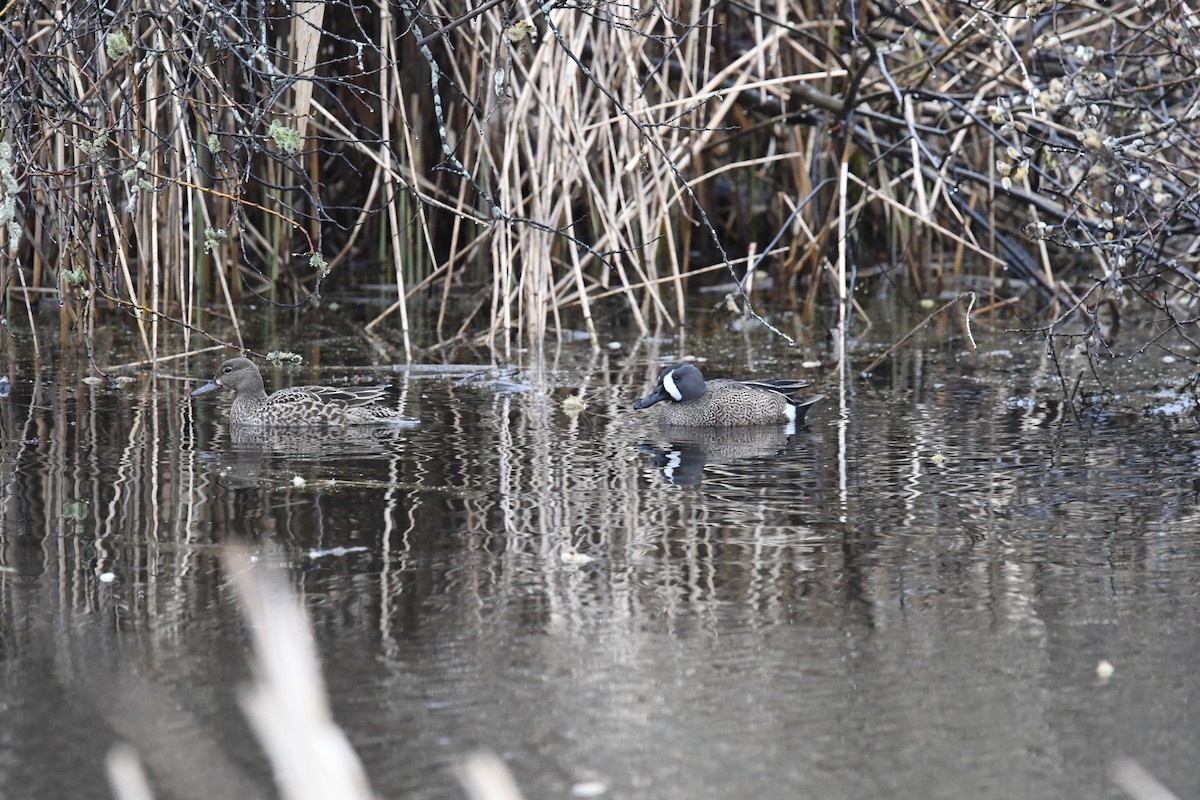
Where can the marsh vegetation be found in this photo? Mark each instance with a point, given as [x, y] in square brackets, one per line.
[522, 164]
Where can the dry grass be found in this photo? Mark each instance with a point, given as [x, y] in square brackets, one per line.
[165, 163]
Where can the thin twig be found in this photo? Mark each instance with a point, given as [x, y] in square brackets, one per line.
[920, 325]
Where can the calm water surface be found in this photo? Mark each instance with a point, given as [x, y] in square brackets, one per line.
[907, 598]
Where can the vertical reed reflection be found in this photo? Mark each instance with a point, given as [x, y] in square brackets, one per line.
[506, 561]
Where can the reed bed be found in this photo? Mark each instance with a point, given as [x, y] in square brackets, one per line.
[525, 166]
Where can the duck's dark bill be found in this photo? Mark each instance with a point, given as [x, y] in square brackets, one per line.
[654, 397]
[211, 386]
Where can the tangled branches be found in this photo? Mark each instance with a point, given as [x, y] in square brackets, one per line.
[168, 161]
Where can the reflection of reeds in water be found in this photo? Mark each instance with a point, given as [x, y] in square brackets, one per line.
[126, 493]
[109, 515]
[102, 493]
[121, 496]
[558, 486]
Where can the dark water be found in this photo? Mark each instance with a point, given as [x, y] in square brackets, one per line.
[908, 598]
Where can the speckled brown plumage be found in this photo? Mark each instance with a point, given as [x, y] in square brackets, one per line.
[298, 406]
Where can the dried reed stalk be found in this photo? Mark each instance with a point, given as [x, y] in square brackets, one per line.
[563, 156]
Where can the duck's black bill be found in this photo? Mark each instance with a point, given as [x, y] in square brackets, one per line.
[657, 395]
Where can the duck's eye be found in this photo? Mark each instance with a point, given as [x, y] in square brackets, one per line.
[227, 370]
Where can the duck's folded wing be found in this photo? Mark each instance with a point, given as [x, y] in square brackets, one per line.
[787, 388]
[330, 395]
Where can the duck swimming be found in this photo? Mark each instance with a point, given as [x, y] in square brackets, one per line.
[298, 406]
[693, 401]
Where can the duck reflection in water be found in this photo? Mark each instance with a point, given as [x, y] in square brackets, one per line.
[244, 455]
[691, 449]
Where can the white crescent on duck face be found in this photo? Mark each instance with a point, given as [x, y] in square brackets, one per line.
[672, 389]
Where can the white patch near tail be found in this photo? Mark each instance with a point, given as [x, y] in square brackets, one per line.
[791, 413]
[672, 389]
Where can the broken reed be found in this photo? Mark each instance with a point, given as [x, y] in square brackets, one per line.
[163, 164]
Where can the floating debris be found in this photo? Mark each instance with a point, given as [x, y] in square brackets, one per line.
[336, 552]
[573, 405]
[589, 789]
[75, 509]
[574, 557]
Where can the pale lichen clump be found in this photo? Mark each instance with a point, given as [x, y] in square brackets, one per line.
[132, 178]
[521, 32]
[94, 148]
[8, 198]
[213, 238]
[318, 262]
[278, 357]
[286, 139]
[117, 46]
[74, 277]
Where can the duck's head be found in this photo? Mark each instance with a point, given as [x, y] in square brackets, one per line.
[678, 383]
[240, 374]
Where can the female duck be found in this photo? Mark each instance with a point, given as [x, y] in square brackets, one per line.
[692, 401]
[298, 406]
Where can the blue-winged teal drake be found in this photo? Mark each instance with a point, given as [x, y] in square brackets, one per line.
[299, 406]
[695, 402]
